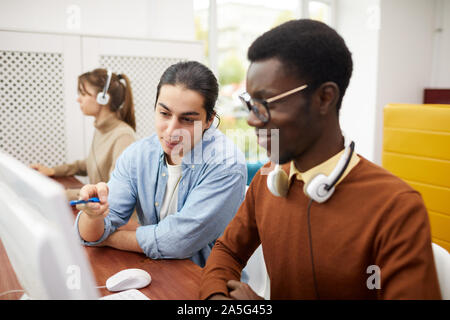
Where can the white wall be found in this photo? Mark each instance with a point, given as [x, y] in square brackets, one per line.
[161, 19]
[397, 54]
[404, 56]
[440, 76]
[171, 19]
[358, 23]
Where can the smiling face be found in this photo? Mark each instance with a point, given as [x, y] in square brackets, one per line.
[295, 116]
[180, 120]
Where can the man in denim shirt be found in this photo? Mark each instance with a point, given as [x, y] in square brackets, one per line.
[208, 192]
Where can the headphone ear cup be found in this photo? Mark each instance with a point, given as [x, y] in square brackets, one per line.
[316, 189]
[277, 182]
[103, 96]
[102, 99]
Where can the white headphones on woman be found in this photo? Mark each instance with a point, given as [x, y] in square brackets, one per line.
[321, 187]
[103, 97]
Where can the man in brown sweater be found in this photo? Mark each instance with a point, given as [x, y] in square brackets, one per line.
[369, 240]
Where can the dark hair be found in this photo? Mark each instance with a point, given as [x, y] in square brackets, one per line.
[310, 49]
[193, 76]
[119, 92]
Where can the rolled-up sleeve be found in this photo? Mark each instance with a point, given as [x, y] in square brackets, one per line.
[106, 233]
[208, 209]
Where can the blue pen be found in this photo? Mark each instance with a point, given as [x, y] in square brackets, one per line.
[75, 202]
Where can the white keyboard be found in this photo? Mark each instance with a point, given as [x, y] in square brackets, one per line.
[131, 294]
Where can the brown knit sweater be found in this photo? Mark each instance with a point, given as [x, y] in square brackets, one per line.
[111, 137]
[373, 218]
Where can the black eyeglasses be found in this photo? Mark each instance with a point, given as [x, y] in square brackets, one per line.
[261, 107]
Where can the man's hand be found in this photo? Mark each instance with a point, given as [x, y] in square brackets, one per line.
[91, 224]
[242, 291]
[92, 209]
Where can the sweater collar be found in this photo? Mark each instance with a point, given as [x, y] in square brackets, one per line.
[325, 167]
[107, 124]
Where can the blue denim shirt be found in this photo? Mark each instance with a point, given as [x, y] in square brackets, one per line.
[211, 189]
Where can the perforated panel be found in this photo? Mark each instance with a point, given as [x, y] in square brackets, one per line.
[144, 74]
[32, 125]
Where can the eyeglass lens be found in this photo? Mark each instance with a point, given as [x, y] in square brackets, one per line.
[257, 107]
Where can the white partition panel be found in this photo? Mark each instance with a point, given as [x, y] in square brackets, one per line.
[40, 120]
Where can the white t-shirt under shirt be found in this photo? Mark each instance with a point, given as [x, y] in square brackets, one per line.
[169, 205]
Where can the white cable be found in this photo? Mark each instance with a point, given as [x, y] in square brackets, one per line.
[23, 291]
[11, 291]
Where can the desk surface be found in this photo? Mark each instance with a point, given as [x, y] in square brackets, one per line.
[171, 279]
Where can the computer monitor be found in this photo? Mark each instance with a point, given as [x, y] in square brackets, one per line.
[38, 233]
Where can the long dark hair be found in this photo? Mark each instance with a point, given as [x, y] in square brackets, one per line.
[119, 92]
[193, 76]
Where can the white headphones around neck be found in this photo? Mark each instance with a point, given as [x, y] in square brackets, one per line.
[103, 97]
[321, 187]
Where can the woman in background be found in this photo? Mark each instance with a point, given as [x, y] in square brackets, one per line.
[114, 124]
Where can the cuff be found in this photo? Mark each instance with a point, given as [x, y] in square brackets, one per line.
[213, 287]
[107, 231]
[59, 170]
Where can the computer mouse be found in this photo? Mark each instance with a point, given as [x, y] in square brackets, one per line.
[128, 279]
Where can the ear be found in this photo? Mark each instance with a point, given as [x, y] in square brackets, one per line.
[328, 94]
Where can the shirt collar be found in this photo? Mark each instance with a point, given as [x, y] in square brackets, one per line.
[325, 167]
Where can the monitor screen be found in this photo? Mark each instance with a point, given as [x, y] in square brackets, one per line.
[37, 231]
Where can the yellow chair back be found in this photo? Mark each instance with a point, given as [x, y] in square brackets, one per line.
[416, 148]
